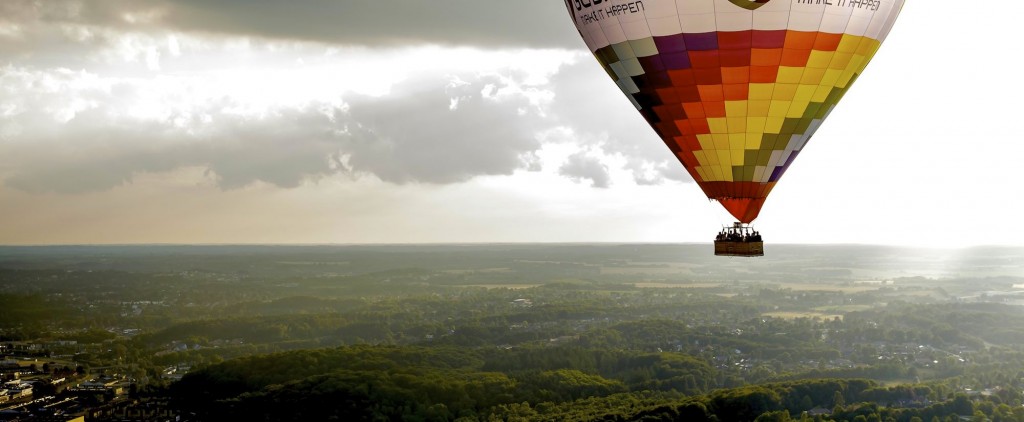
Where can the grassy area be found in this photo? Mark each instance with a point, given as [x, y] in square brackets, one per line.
[803, 314]
[657, 270]
[654, 285]
[842, 308]
[503, 286]
[829, 287]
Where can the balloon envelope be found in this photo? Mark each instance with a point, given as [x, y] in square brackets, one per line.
[735, 88]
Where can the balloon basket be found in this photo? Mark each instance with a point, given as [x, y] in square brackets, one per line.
[739, 240]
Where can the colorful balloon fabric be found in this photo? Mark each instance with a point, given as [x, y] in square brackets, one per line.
[735, 88]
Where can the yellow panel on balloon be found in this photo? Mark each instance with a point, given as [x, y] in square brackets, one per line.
[756, 124]
[797, 109]
[736, 109]
[707, 142]
[840, 61]
[737, 141]
[737, 154]
[821, 94]
[737, 124]
[761, 91]
[701, 158]
[718, 125]
[789, 75]
[819, 59]
[804, 92]
[784, 91]
[779, 108]
[721, 141]
[758, 108]
[774, 124]
[831, 77]
[849, 43]
[753, 140]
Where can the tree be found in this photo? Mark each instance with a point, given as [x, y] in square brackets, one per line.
[776, 416]
[837, 399]
[961, 405]
[806, 403]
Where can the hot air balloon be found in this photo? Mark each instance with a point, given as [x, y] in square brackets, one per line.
[735, 88]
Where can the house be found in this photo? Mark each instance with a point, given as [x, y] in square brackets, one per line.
[101, 384]
[17, 389]
[819, 411]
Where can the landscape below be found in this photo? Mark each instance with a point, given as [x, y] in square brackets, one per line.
[572, 332]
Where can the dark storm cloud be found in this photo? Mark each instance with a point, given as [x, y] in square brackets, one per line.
[282, 150]
[589, 102]
[521, 23]
[531, 23]
[428, 130]
[581, 167]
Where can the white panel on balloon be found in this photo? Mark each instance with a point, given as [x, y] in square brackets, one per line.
[697, 23]
[771, 21]
[735, 21]
[664, 26]
[805, 21]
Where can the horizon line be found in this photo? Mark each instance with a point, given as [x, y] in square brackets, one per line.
[496, 243]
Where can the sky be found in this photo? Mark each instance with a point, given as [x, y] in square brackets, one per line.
[406, 121]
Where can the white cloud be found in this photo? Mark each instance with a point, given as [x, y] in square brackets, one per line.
[282, 112]
[279, 124]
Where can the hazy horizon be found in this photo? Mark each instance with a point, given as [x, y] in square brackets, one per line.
[524, 243]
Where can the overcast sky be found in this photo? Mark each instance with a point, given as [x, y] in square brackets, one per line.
[327, 121]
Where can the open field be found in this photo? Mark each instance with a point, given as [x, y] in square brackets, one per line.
[804, 314]
[829, 287]
[647, 270]
[655, 285]
[504, 286]
[842, 308]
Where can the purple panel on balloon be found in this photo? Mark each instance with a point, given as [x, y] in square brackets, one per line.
[676, 60]
[670, 43]
[701, 41]
[652, 64]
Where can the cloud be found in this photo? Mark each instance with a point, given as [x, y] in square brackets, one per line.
[523, 23]
[586, 100]
[74, 34]
[430, 132]
[580, 166]
[530, 23]
[282, 149]
[284, 113]
[73, 132]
